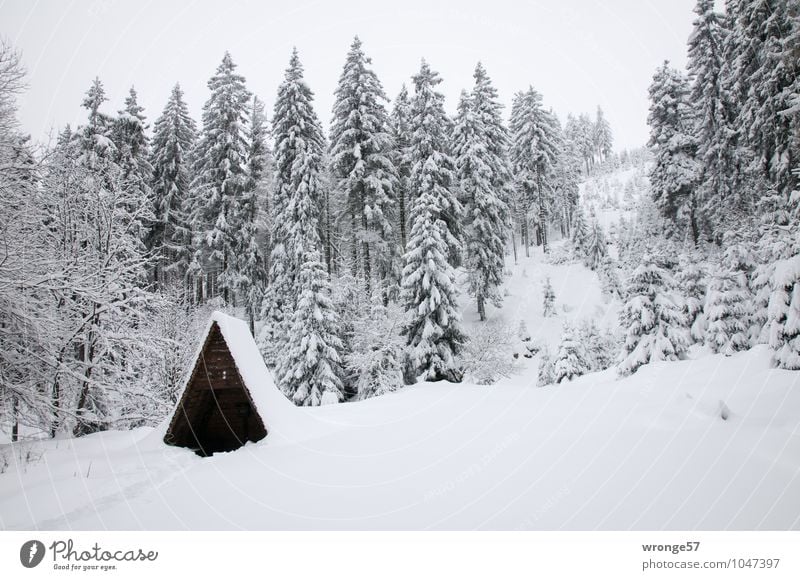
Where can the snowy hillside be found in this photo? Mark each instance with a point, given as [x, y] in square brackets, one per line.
[706, 443]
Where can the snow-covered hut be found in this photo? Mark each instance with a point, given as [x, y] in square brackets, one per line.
[228, 396]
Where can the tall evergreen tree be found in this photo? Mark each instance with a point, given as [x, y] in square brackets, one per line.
[433, 329]
[432, 164]
[603, 139]
[480, 144]
[674, 173]
[302, 330]
[173, 140]
[401, 132]
[250, 259]
[221, 179]
[765, 38]
[362, 162]
[535, 137]
[711, 101]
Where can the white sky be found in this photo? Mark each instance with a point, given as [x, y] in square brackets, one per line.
[578, 54]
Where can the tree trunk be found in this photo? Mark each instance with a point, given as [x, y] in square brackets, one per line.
[14, 419]
[481, 307]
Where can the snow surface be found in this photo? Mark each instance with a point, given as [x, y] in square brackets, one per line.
[650, 451]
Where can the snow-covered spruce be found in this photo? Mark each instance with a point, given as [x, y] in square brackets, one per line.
[673, 175]
[535, 148]
[362, 163]
[433, 328]
[571, 359]
[296, 132]
[549, 300]
[308, 360]
[174, 136]
[480, 144]
[729, 303]
[220, 166]
[784, 314]
[432, 164]
[655, 327]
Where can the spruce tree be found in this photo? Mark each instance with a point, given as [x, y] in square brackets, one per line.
[580, 233]
[483, 176]
[729, 304]
[603, 139]
[765, 38]
[571, 360]
[549, 302]
[401, 133]
[784, 314]
[173, 140]
[250, 259]
[432, 164]
[221, 179]
[132, 157]
[596, 248]
[711, 102]
[432, 329]
[295, 130]
[655, 328]
[674, 173]
[302, 326]
[362, 163]
[535, 147]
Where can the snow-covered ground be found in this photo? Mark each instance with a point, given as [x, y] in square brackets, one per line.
[651, 451]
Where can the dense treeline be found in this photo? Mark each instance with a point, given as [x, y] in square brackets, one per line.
[341, 251]
[712, 254]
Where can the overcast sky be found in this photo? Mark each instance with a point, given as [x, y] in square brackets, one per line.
[578, 54]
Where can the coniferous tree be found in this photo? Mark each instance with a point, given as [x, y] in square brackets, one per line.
[765, 38]
[596, 248]
[655, 328]
[534, 150]
[363, 166]
[580, 233]
[483, 175]
[711, 102]
[170, 236]
[295, 129]
[250, 254]
[784, 314]
[221, 179]
[432, 329]
[571, 360]
[549, 303]
[674, 173]
[401, 133]
[729, 302]
[96, 139]
[603, 139]
[305, 344]
[432, 164]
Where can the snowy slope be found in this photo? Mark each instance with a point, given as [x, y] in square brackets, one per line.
[647, 452]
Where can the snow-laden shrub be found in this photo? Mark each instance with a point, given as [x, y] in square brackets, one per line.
[487, 357]
[601, 346]
[374, 364]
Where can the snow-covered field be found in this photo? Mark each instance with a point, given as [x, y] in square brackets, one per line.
[706, 443]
